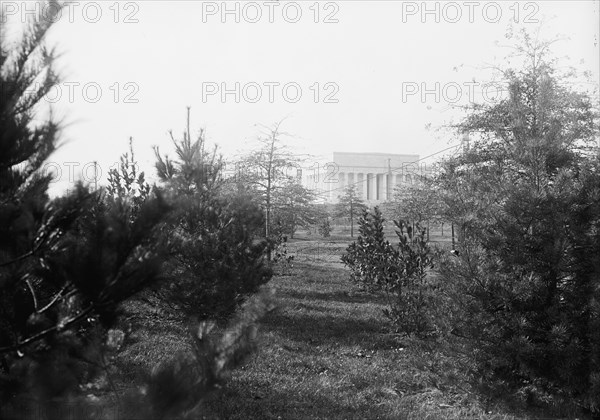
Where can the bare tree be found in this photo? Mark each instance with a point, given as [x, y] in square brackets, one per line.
[268, 169]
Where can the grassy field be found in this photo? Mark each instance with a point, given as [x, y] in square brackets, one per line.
[326, 352]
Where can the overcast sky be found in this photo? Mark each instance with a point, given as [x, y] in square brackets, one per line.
[346, 75]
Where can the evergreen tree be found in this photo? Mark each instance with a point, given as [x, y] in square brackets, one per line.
[65, 264]
[526, 199]
[217, 259]
[349, 206]
[126, 181]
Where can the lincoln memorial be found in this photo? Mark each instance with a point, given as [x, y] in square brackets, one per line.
[375, 175]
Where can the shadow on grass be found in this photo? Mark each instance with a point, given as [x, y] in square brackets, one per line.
[330, 284]
[332, 331]
[336, 296]
[249, 399]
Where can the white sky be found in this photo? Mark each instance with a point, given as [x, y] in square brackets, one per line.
[176, 49]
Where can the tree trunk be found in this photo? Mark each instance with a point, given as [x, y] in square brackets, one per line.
[351, 219]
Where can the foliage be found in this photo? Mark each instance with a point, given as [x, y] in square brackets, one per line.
[217, 258]
[282, 261]
[324, 227]
[195, 172]
[526, 197]
[400, 271]
[293, 207]
[417, 202]
[411, 296]
[66, 264]
[370, 257]
[178, 385]
[126, 182]
[266, 171]
[349, 205]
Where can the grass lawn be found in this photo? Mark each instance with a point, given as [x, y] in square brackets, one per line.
[326, 352]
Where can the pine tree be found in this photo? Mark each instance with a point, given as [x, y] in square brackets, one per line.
[68, 264]
[65, 264]
[217, 259]
[525, 197]
[126, 181]
[349, 206]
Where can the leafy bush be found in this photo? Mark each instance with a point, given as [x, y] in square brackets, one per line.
[401, 272]
[282, 262]
[324, 227]
[411, 295]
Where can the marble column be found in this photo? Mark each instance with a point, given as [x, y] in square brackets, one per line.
[371, 184]
[380, 187]
[388, 186]
[361, 185]
[352, 180]
[341, 186]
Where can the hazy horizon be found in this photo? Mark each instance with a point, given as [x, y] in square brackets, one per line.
[349, 76]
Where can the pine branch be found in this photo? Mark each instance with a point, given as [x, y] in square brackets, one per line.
[24, 256]
[56, 298]
[58, 327]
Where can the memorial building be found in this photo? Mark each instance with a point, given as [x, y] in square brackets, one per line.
[375, 175]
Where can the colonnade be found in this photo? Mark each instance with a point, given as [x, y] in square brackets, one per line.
[370, 186]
